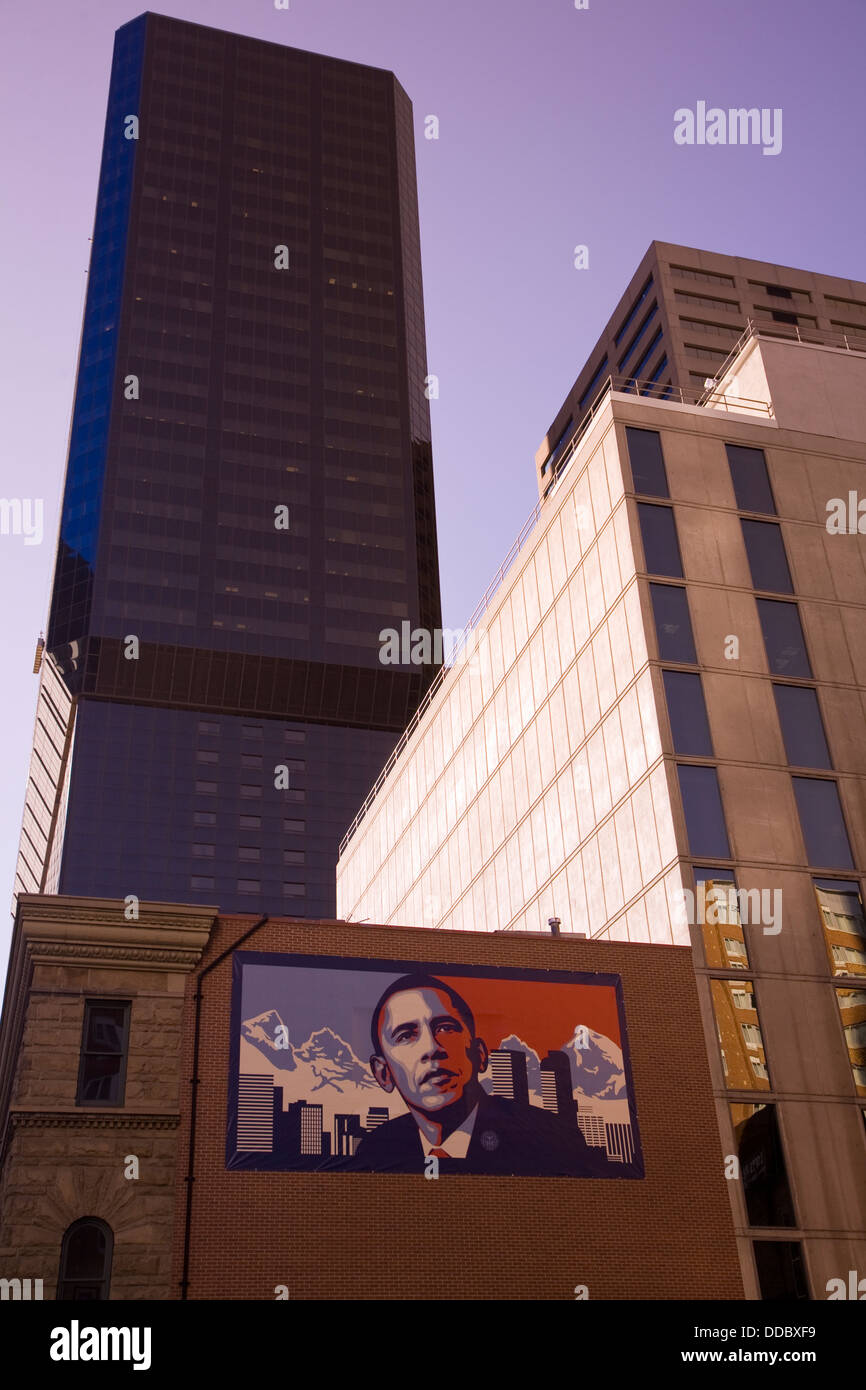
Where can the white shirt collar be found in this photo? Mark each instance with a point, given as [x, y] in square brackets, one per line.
[458, 1141]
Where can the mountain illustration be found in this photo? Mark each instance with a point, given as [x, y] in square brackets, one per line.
[325, 1059]
[261, 1031]
[597, 1070]
[333, 1061]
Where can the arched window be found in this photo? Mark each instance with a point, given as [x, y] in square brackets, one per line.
[85, 1261]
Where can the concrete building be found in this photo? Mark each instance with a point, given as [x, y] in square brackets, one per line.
[90, 1093]
[681, 314]
[661, 705]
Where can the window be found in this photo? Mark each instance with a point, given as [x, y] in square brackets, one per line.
[590, 391]
[249, 792]
[781, 316]
[293, 856]
[251, 730]
[659, 535]
[740, 1039]
[852, 1010]
[201, 882]
[750, 479]
[673, 625]
[251, 852]
[778, 292]
[767, 560]
[294, 827]
[249, 885]
[637, 337]
[702, 807]
[206, 788]
[802, 729]
[294, 736]
[762, 1165]
[647, 464]
[204, 818]
[781, 1275]
[208, 726]
[104, 1045]
[822, 822]
[85, 1262]
[557, 448]
[206, 756]
[250, 822]
[687, 713]
[202, 851]
[844, 921]
[251, 760]
[294, 890]
[783, 638]
[635, 309]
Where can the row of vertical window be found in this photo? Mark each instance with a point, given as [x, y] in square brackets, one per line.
[765, 1185]
[818, 801]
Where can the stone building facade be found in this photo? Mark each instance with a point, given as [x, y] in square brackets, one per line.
[67, 1152]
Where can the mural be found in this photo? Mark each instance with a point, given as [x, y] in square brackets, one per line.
[390, 1066]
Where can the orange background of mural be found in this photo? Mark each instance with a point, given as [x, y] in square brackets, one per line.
[543, 1015]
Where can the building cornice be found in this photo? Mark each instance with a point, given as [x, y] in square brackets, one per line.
[165, 938]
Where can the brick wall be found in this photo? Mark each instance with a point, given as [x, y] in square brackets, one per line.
[336, 1236]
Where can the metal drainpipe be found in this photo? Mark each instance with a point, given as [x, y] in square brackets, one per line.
[194, 1081]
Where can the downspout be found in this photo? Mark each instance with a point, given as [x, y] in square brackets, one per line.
[194, 1082]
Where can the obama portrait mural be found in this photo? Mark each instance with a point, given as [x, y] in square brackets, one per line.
[383, 1066]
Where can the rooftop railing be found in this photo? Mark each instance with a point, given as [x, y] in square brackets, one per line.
[791, 332]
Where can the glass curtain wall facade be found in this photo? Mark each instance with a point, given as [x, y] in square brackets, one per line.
[249, 493]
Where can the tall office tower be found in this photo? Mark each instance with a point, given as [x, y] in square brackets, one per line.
[680, 316]
[658, 736]
[249, 493]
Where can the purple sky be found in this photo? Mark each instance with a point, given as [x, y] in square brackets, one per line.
[556, 128]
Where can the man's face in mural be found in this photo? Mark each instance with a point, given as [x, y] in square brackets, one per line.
[427, 1052]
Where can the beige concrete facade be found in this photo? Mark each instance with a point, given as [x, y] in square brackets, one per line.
[63, 1161]
[542, 781]
[702, 301]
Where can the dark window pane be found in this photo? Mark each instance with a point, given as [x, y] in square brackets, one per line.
[702, 805]
[85, 1262]
[659, 535]
[100, 1080]
[673, 625]
[767, 560]
[781, 1275]
[762, 1166]
[802, 729]
[783, 638]
[688, 714]
[647, 463]
[104, 1028]
[751, 480]
[822, 822]
[102, 1061]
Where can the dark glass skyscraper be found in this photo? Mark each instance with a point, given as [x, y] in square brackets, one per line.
[249, 492]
